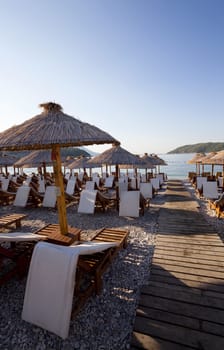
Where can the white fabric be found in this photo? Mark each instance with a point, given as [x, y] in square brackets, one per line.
[129, 203]
[146, 189]
[87, 202]
[70, 188]
[50, 284]
[41, 188]
[200, 180]
[5, 184]
[50, 197]
[109, 181]
[210, 190]
[90, 185]
[22, 195]
[155, 183]
[20, 237]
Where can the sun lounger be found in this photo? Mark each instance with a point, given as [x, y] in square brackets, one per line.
[106, 200]
[155, 183]
[51, 282]
[50, 199]
[7, 197]
[146, 191]
[109, 181]
[17, 253]
[87, 201]
[129, 203]
[22, 195]
[8, 220]
[210, 190]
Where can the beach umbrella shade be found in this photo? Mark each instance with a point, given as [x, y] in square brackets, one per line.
[116, 156]
[157, 161]
[38, 158]
[6, 160]
[197, 161]
[82, 163]
[207, 159]
[218, 159]
[53, 129]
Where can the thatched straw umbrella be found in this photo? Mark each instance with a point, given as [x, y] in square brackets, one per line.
[53, 129]
[207, 159]
[82, 163]
[6, 160]
[218, 159]
[36, 159]
[197, 161]
[116, 156]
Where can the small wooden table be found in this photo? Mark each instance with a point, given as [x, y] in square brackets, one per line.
[53, 234]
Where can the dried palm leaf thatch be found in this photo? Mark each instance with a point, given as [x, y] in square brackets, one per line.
[153, 159]
[7, 160]
[197, 158]
[81, 162]
[218, 159]
[35, 159]
[52, 127]
[116, 155]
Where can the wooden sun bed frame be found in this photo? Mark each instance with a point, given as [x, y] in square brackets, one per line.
[90, 268]
[10, 219]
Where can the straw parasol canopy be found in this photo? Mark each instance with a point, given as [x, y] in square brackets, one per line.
[53, 129]
[6, 160]
[150, 161]
[197, 160]
[218, 158]
[35, 159]
[116, 155]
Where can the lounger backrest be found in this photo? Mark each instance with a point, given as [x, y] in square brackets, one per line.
[122, 186]
[5, 184]
[146, 189]
[160, 177]
[200, 180]
[22, 195]
[90, 185]
[87, 201]
[155, 183]
[41, 188]
[129, 203]
[70, 187]
[50, 197]
[210, 190]
[109, 181]
[220, 181]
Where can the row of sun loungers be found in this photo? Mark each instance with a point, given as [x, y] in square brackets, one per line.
[211, 190]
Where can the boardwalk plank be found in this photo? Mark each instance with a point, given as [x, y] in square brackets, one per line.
[180, 335]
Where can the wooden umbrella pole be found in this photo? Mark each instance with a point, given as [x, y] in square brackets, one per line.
[56, 158]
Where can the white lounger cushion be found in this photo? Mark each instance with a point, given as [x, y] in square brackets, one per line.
[129, 203]
[50, 197]
[20, 237]
[50, 284]
[87, 201]
[22, 195]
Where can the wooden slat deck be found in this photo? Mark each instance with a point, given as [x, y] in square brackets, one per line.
[182, 305]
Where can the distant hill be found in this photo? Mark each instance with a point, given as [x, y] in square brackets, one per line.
[199, 147]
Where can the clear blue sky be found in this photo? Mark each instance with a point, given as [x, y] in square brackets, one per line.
[149, 72]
